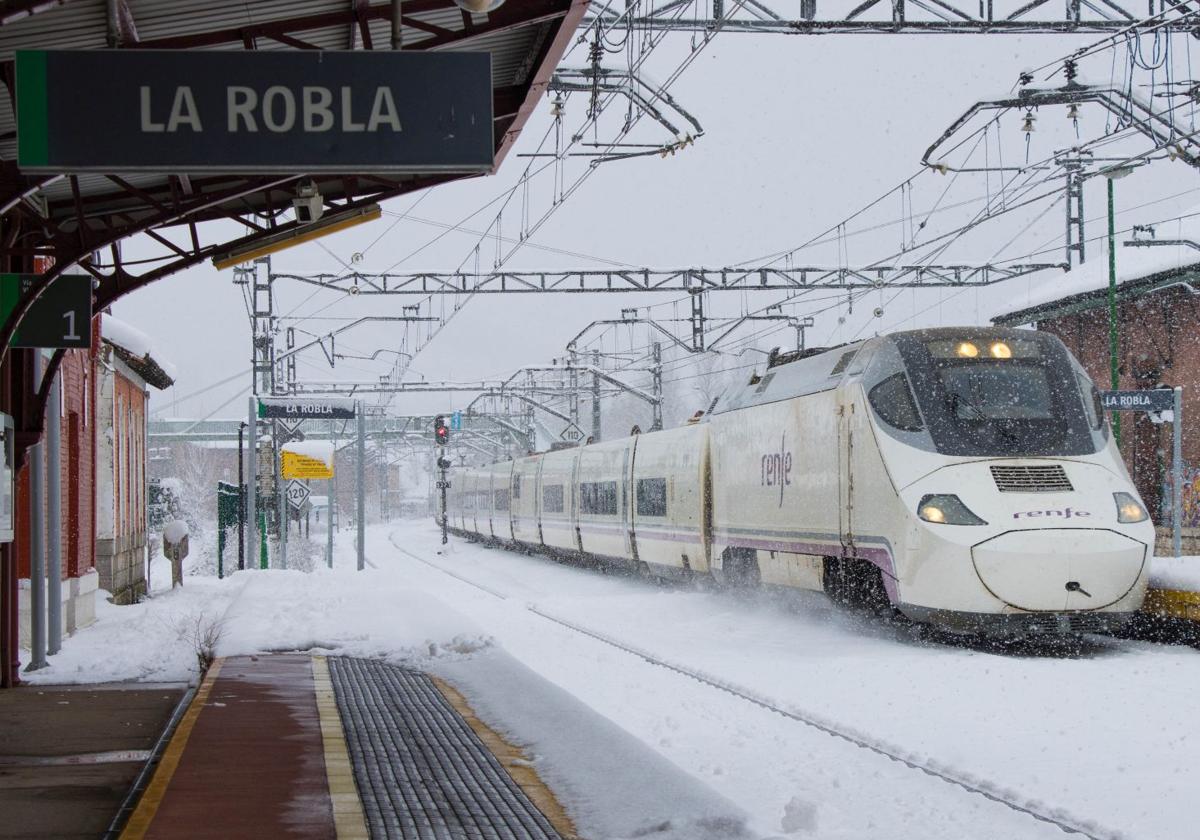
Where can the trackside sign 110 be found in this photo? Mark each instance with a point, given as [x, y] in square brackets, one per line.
[253, 112]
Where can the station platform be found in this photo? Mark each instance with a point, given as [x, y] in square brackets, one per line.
[292, 745]
[71, 754]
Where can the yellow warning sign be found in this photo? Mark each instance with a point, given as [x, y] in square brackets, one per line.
[296, 465]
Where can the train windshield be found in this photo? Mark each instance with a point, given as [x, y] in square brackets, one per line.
[1000, 394]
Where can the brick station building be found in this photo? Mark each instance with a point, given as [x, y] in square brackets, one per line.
[126, 368]
[103, 474]
[1158, 322]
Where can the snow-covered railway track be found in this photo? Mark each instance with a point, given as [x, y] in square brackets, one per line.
[965, 782]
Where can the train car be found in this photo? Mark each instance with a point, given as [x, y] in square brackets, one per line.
[500, 520]
[671, 501]
[557, 502]
[602, 518]
[964, 477]
[523, 503]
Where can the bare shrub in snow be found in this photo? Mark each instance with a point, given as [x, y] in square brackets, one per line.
[203, 633]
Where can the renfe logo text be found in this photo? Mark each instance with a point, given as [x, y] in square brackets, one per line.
[1066, 513]
[777, 468]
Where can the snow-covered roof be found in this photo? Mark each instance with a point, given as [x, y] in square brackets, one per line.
[135, 348]
[1141, 266]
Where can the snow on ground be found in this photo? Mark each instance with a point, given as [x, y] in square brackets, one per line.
[1176, 573]
[1102, 735]
[154, 641]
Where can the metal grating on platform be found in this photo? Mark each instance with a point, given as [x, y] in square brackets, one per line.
[422, 772]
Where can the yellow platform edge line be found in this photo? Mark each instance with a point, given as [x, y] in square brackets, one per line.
[147, 807]
[348, 819]
[514, 761]
[1177, 603]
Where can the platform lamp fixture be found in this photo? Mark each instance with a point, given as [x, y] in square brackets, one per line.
[1112, 174]
[479, 7]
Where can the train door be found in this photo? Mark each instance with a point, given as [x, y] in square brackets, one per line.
[537, 500]
[574, 504]
[845, 410]
[628, 489]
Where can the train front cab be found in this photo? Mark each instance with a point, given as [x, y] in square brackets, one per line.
[1018, 514]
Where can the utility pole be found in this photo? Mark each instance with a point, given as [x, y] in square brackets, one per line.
[697, 321]
[360, 414]
[329, 502]
[595, 398]
[37, 544]
[252, 479]
[1075, 218]
[281, 501]
[241, 496]
[656, 408]
[801, 326]
[54, 515]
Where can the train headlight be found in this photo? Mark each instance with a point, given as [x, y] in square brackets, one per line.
[1129, 509]
[946, 509]
[1000, 350]
[966, 350]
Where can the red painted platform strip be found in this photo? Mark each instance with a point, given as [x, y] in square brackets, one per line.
[254, 764]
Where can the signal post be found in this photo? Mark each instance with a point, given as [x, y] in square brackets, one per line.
[441, 436]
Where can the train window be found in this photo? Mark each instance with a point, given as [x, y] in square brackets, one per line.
[500, 500]
[598, 497]
[893, 402]
[998, 391]
[763, 383]
[652, 497]
[1091, 402]
[552, 499]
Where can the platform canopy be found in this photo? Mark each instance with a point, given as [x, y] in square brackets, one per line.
[69, 217]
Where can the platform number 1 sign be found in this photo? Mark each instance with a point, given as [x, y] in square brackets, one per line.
[60, 317]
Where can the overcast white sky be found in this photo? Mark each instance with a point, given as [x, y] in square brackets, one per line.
[800, 132]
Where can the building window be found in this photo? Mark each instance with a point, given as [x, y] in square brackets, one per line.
[652, 497]
[552, 499]
[598, 497]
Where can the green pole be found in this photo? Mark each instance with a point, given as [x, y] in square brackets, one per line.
[262, 532]
[220, 550]
[1113, 345]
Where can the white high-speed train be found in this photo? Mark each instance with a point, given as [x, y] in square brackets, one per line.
[965, 477]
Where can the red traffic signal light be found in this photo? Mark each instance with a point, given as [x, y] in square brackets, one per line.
[441, 432]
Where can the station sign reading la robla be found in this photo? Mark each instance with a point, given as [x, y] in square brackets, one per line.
[254, 112]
